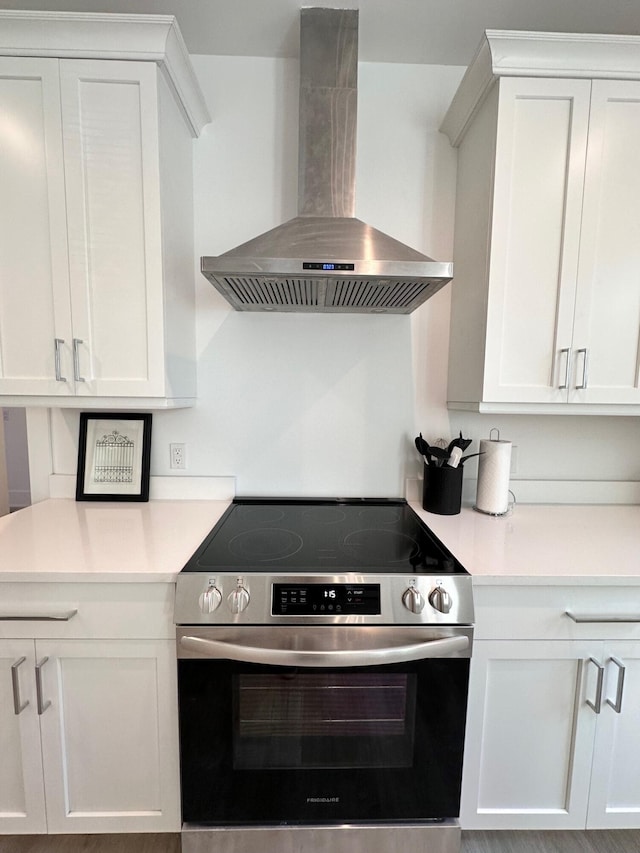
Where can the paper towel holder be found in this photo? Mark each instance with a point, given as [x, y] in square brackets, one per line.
[507, 511]
[510, 503]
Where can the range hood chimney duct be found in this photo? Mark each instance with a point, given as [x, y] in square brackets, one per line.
[326, 260]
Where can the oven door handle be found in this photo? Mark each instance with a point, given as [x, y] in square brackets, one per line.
[325, 657]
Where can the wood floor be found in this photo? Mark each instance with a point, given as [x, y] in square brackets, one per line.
[596, 841]
[126, 843]
[620, 841]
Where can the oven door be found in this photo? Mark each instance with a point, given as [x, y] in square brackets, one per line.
[322, 725]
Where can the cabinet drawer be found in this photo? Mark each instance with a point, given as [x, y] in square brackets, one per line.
[541, 612]
[100, 611]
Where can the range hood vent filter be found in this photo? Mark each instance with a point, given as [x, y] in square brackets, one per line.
[355, 268]
[353, 295]
[270, 294]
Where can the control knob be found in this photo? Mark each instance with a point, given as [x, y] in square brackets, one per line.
[440, 599]
[210, 599]
[239, 599]
[413, 600]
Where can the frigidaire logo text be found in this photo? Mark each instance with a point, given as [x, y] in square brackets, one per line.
[323, 799]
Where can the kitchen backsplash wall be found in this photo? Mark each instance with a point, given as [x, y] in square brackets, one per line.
[15, 436]
[329, 405]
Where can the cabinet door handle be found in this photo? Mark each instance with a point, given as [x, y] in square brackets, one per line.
[57, 343]
[42, 706]
[617, 705]
[18, 706]
[597, 704]
[76, 360]
[585, 368]
[566, 351]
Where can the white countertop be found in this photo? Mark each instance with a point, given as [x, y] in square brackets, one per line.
[65, 540]
[544, 543]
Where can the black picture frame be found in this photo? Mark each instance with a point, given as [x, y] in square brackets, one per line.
[114, 456]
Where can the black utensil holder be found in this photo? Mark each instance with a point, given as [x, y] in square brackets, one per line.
[442, 489]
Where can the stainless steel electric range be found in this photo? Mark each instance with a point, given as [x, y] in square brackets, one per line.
[323, 665]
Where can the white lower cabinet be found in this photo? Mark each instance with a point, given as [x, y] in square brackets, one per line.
[22, 808]
[529, 737]
[88, 734]
[614, 799]
[553, 725]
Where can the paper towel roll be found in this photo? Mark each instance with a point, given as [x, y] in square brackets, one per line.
[494, 465]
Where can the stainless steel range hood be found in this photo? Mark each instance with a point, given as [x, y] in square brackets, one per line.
[326, 260]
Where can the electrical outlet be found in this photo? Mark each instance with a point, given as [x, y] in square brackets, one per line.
[178, 456]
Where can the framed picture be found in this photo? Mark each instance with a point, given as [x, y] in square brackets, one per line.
[114, 455]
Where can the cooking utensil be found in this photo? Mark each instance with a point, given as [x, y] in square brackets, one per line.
[436, 455]
[469, 456]
[462, 443]
[439, 453]
[454, 457]
[423, 448]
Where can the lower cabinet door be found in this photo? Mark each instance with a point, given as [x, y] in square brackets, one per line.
[530, 733]
[109, 736]
[615, 785]
[21, 788]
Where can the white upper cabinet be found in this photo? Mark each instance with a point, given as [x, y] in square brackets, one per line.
[96, 246]
[546, 294]
[35, 313]
[606, 328]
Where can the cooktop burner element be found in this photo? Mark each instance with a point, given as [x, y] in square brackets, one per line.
[322, 536]
[351, 562]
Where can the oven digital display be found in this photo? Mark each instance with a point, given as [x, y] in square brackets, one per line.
[320, 599]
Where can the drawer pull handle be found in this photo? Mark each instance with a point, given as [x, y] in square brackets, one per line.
[582, 618]
[18, 706]
[597, 705]
[42, 706]
[617, 705]
[52, 617]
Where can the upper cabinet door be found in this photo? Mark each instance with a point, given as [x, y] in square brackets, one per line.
[35, 321]
[111, 160]
[607, 323]
[541, 145]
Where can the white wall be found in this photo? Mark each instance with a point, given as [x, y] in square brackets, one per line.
[17, 460]
[329, 405]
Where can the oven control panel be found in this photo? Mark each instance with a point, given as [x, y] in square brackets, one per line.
[228, 598]
[319, 599]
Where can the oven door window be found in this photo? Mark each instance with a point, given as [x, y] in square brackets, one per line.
[305, 719]
[264, 744]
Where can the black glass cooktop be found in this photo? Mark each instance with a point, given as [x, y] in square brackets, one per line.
[355, 535]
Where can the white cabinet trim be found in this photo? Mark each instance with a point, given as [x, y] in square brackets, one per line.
[534, 54]
[79, 35]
